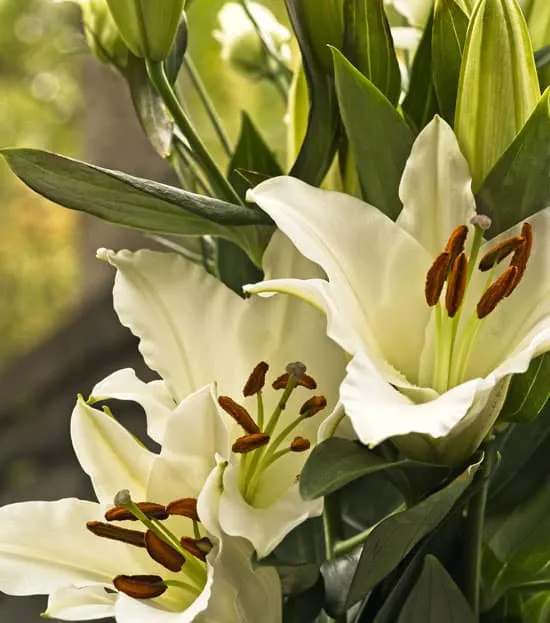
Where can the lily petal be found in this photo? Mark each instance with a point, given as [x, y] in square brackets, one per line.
[81, 604]
[436, 188]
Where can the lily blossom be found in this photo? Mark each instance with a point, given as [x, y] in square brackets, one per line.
[193, 330]
[436, 319]
[157, 559]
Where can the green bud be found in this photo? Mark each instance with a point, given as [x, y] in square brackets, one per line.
[147, 26]
[498, 87]
[538, 19]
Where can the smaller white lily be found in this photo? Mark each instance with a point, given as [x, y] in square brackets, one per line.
[193, 330]
[435, 318]
[94, 562]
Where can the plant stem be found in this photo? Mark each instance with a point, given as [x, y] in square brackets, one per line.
[332, 528]
[474, 537]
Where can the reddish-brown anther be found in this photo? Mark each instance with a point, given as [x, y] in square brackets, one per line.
[455, 243]
[435, 278]
[114, 533]
[152, 510]
[140, 586]
[163, 553]
[456, 285]
[498, 252]
[300, 444]
[521, 256]
[239, 414]
[247, 443]
[496, 292]
[305, 381]
[312, 406]
[186, 507]
[256, 380]
[197, 547]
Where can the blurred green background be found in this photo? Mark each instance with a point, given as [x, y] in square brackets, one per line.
[41, 105]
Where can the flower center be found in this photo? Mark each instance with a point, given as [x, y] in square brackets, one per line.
[185, 555]
[452, 270]
[268, 440]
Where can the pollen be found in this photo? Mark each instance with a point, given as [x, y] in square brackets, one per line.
[500, 251]
[455, 243]
[163, 553]
[247, 443]
[239, 414]
[496, 292]
[305, 381]
[300, 444]
[140, 586]
[186, 507]
[457, 285]
[312, 406]
[256, 380]
[114, 533]
[521, 256]
[150, 509]
[435, 278]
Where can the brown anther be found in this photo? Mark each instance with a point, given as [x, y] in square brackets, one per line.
[521, 256]
[300, 444]
[239, 414]
[247, 443]
[435, 278]
[107, 531]
[152, 510]
[455, 244]
[140, 586]
[256, 380]
[163, 553]
[312, 406]
[498, 252]
[496, 292]
[305, 381]
[197, 547]
[186, 507]
[456, 285]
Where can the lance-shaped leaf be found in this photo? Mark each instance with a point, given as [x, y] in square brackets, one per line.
[450, 24]
[131, 201]
[380, 140]
[369, 45]
[498, 87]
[317, 24]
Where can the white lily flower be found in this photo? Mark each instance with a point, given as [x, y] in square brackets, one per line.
[94, 563]
[434, 339]
[193, 330]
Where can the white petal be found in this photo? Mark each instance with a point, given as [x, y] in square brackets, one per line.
[153, 397]
[109, 454]
[435, 188]
[81, 604]
[416, 11]
[406, 38]
[375, 267]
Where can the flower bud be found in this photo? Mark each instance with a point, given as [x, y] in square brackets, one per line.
[498, 87]
[538, 20]
[241, 44]
[147, 26]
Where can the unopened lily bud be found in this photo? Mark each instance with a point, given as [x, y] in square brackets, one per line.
[241, 44]
[147, 26]
[498, 87]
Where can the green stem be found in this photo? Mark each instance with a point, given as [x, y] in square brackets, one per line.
[332, 528]
[220, 185]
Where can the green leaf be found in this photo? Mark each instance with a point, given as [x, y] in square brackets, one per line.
[450, 24]
[379, 138]
[519, 185]
[368, 44]
[316, 24]
[394, 537]
[420, 104]
[304, 608]
[436, 598]
[336, 462]
[131, 201]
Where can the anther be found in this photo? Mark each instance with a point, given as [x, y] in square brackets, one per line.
[496, 292]
[300, 444]
[247, 443]
[199, 548]
[140, 586]
[481, 221]
[114, 533]
[435, 278]
[500, 251]
[305, 381]
[521, 256]
[150, 509]
[457, 285]
[239, 414]
[312, 406]
[256, 380]
[455, 243]
[186, 507]
[163, 553]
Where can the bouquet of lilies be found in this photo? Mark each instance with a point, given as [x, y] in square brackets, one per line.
[351, 403]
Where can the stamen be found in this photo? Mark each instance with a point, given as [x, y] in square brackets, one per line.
[305, 381]
[239, 414]
[435, 278]
[457, 285]
[199, 548]
[500, 251]
[140, 586]
[107, 531]
[496, 292]
[521, 256]
[162, 553]
[256, 380]
[300, 444]
[312, 406]
[455, 243]
[150, 509]
[247, 443]
[186, 507]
